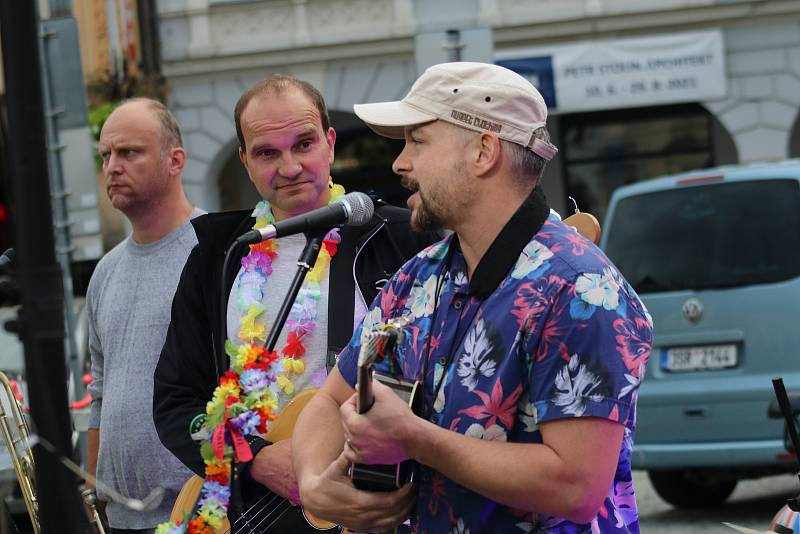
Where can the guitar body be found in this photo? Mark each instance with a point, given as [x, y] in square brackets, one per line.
[263, 512]
[187, 498]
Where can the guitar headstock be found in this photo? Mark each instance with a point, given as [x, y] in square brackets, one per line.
[380, 340]
[586, 224]
[394, 329]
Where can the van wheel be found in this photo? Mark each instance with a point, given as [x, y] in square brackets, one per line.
[688, 489]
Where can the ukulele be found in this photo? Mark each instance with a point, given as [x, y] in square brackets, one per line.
[377, 344]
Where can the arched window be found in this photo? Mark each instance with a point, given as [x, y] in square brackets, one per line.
[608, 149]
[236, 191]
[364, 163]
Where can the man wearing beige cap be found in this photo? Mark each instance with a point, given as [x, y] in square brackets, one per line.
[529, 344]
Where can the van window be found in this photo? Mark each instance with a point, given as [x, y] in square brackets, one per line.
[711, 236]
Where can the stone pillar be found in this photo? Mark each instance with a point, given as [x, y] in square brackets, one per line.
[466, 19]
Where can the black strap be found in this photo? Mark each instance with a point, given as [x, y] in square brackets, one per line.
[228, 278]
[341, 297]
[504, 251]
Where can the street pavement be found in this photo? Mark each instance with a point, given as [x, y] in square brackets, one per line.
[752, 505]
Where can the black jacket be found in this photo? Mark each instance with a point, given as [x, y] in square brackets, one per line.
[192, 360]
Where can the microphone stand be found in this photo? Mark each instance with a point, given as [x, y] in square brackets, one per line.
[305, 263]
[788, 414]
[40, 325]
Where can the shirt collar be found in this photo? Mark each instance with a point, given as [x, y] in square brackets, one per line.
[504, 251]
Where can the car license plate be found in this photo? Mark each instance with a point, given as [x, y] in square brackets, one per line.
[700, 358]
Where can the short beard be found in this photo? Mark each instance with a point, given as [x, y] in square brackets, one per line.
[434, 214]
[425, 220]
[422, 219]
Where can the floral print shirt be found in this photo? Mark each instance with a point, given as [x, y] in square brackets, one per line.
[562, 335]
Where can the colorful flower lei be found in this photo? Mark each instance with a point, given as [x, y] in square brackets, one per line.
[243, 404]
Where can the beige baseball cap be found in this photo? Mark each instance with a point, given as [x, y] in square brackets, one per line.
[477, 96]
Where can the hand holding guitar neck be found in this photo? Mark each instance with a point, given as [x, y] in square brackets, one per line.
[376, 344]
[366, 360]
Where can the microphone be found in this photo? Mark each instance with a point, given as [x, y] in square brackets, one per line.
[353, 209]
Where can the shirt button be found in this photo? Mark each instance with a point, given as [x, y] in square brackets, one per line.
[442, 360]
[457, 304]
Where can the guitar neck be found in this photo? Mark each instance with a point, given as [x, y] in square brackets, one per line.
[365, 398]
[366, 359]
[375, 345]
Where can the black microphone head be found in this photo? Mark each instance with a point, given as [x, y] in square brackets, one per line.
[359, 208]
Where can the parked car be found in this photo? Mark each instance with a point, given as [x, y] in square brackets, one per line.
[715, 256]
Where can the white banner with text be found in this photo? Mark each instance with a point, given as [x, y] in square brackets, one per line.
[634, 72]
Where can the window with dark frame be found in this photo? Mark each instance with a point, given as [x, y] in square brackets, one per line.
[364, 163]
[605, 150]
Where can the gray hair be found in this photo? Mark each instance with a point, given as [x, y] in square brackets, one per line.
[170, 131]
[526, 165]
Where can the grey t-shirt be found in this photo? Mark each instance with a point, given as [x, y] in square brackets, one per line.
[129, 298]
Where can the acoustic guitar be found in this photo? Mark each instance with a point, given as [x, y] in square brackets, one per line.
[263, 511]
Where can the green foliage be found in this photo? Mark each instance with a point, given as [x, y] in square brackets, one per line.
[105, 90]
[98, 116]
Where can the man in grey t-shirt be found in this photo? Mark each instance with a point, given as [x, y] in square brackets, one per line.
[129, 300]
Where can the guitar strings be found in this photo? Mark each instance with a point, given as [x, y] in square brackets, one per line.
[277, 518]
[257, 508]
[253, 524]
[267, 508]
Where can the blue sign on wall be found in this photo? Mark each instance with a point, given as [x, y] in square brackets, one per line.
[539, 71]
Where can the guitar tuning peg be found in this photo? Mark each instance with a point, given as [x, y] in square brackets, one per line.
[574, 204]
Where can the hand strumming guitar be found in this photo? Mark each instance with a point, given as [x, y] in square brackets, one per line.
[272, 467]
[331, 495]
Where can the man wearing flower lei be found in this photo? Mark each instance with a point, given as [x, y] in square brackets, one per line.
[226, 394]
[528, 341]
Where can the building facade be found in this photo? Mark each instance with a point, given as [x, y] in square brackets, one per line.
[638, 88]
